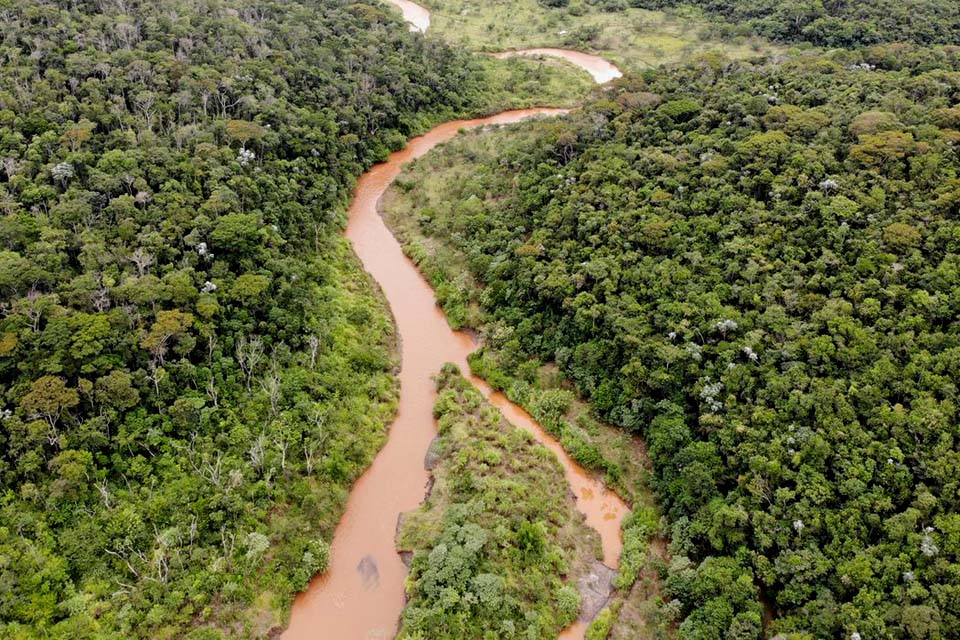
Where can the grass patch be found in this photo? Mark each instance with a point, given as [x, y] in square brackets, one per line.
[634, 39]
[520, 83]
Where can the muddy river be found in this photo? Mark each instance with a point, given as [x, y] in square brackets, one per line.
[361, 595]
[601, 70]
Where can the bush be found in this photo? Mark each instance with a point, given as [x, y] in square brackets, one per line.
[601, 626]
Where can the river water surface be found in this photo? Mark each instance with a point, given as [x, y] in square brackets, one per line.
[417, 16]
[361, 595]
[601, 70]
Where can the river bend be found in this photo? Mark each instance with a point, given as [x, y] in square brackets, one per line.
[361, 595]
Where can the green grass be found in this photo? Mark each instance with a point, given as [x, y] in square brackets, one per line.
[634, 39]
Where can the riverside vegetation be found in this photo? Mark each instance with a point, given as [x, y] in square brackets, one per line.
[633, 38]
[497, 533]
[193, 367]
[753, 266]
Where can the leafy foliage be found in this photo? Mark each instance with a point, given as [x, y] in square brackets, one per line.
[754, 266]
[192, 365]
[495, 538]
[835, 23]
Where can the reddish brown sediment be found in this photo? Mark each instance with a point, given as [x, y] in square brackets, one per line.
[361, 595]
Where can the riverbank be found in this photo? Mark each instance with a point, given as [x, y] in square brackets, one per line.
[362, 593]
[632, 39]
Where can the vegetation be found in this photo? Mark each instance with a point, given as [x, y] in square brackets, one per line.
[542, 390]
[633, 38]
[833, 23]
[520, 83]
[754, 266]
[193, 367]
[602, 625]
[495, 538]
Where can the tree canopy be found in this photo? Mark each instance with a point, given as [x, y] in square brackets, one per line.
[753, 266]
[497, 550]
[833, 23]
[193, 368]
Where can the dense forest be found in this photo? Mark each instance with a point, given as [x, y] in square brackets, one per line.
[752, 262]
[755, 267]
[193, 367]
[829, 23]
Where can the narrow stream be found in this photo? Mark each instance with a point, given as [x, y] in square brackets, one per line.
[602, 70]
[417, 16]
[362, 593]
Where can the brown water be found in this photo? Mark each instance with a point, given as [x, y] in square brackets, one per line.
[417, 16]
[601, 70]
[362, 593]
